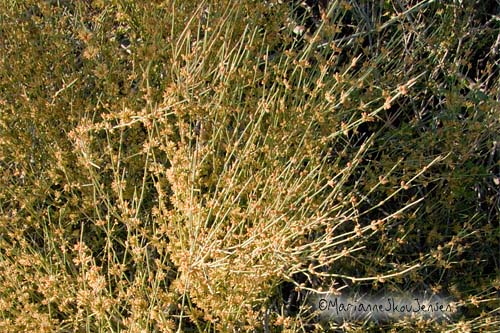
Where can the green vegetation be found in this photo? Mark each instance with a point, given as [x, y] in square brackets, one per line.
[202, 166]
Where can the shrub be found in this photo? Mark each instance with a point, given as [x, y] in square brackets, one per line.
[208, 167]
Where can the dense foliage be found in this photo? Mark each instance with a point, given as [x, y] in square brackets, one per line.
[209, 165]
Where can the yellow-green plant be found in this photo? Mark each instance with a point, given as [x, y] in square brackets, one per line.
[182, 166]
